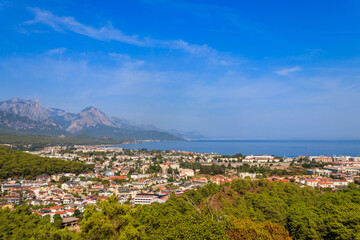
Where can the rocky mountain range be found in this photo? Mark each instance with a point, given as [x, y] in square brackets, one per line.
[31, 116]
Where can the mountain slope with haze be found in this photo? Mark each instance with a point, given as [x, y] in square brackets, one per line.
[30, 116]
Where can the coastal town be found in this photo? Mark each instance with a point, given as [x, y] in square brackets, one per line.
[145, 177]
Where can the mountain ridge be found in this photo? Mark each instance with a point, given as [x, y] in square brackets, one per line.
[31, 116]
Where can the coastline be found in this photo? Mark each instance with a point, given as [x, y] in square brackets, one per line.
[288, 148]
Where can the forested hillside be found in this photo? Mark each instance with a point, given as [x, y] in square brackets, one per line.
[240, 210]
[39, 141]
[19, 164]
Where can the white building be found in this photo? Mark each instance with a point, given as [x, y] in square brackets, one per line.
[252, 176]
[319, 172]
[139, 175]
[186, 172]
[258, 158]
[150, 198]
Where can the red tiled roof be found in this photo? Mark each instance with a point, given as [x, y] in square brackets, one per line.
[118, 177]
[57, 207]
[60, 212]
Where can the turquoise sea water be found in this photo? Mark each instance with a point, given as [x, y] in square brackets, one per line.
[288, 148]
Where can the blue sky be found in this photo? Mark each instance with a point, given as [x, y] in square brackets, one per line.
[230, 69]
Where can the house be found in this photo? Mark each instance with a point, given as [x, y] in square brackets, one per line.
[186, 173]
[258, 158]
[139, 176]
[43, 178]
[10, 187]
[80, 201]
[91, 200]
[70, 175]
[52, 201]
[312, 182]
[44, 211]
[69, 184]
[247, 160]
[252, 176]
[56, 177]
[81, 207]
[14, 198]
[140, 183]
[84, 182]
[349, 179]
[57, 208]
[319, 172]
[62, 214]
[70, 222]
[161, 199]
[78, 189]
[325, 184]
[67, 199]
[69, 206]
[321, 159]
[70, 212]
[149, 198]
[340, 183]
[33, 184]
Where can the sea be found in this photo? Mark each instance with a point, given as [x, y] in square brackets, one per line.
[281, 148]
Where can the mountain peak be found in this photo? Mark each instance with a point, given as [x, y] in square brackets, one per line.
[25, 108]
[89, 108]
[90, 117]
[30, 115]
[15, 99]
[92, 109]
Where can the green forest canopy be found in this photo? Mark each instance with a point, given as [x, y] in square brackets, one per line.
[39, 140]
[19, 164]
[243, 209]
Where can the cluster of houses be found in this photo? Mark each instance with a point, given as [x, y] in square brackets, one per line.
[322, 182]
[128, 175]
[79, 154]
[260, 159]
[318, 179]
[338, 164]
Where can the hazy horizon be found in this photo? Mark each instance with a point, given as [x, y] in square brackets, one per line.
[253, 71]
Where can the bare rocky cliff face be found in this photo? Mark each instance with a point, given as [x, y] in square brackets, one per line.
[11, 121]
[71, 122]
[90, 117]
[62, 117]
[26, 108]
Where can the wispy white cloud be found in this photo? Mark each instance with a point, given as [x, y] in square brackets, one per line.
[61, 24]
[56, 51]
[201, 50]
[109, 33]
[287, 71]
